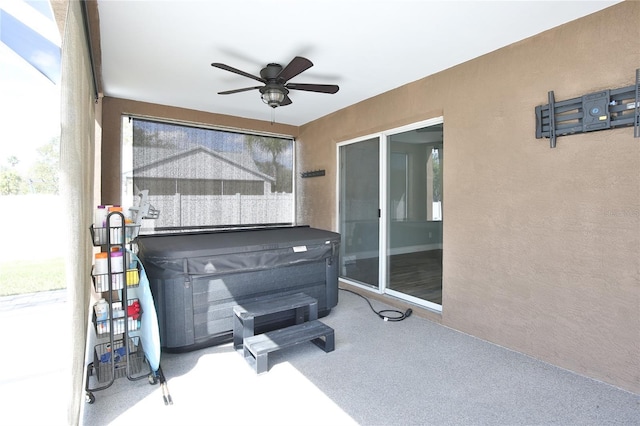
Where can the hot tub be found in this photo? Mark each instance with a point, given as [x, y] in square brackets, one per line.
[197, 277]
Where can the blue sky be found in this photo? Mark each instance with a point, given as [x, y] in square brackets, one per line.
[29, 101]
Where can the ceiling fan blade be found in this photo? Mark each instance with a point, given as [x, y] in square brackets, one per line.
[295, 67]
[321, 88]
[237, 71]
[286, 101]
[230, 92]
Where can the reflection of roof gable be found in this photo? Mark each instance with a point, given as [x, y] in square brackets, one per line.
[200, 163]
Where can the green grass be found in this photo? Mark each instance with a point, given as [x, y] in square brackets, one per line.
[30, 276]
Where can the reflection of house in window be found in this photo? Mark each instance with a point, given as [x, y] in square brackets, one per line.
[200, 171]
[398, 185]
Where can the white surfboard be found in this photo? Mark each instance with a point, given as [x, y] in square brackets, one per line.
[149, 330]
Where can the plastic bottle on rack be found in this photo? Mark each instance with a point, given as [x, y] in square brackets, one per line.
[99, 223]
[117, 268]
[116, 225]
[117, 262]
[100, 271]
[100, 264]
[102, 310]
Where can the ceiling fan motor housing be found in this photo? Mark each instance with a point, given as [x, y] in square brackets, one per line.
[271, 71]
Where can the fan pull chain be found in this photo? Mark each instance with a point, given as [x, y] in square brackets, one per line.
[273, 116]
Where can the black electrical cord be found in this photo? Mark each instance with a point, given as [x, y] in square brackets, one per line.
[383, 314]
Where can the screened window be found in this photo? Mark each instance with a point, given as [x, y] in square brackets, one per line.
[202, 177]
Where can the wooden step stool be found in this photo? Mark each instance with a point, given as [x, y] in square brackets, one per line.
[244, 316]
[257, 347]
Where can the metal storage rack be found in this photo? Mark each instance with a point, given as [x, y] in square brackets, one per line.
[116, 353]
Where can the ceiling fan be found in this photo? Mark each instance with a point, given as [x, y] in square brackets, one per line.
[275, 91]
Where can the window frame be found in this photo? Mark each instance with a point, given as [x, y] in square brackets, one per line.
[129, 199]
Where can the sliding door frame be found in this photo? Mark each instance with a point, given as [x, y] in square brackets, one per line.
[381, 238]
[383, 139]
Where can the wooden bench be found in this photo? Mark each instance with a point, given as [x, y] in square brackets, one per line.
[244, 315]
[257, 348]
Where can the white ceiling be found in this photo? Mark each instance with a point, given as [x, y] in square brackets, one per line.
[161, 51]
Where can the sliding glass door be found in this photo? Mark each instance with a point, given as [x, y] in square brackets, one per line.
[359, 211]
[414, 219]
[390, 209]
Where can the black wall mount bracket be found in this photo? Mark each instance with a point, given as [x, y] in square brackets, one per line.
[602, 110]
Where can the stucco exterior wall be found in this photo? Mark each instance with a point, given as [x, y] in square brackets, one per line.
[541, 246]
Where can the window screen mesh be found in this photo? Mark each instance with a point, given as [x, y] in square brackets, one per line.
[199, 177]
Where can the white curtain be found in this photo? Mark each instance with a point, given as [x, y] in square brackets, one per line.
[77, 152]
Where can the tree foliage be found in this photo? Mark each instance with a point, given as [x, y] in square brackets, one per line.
[437, 178]
[273, 147]
[42, 177]
[10, 182]
[147, 134]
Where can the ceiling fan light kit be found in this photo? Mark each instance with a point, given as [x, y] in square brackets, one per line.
[275, 91]
[273, 96]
